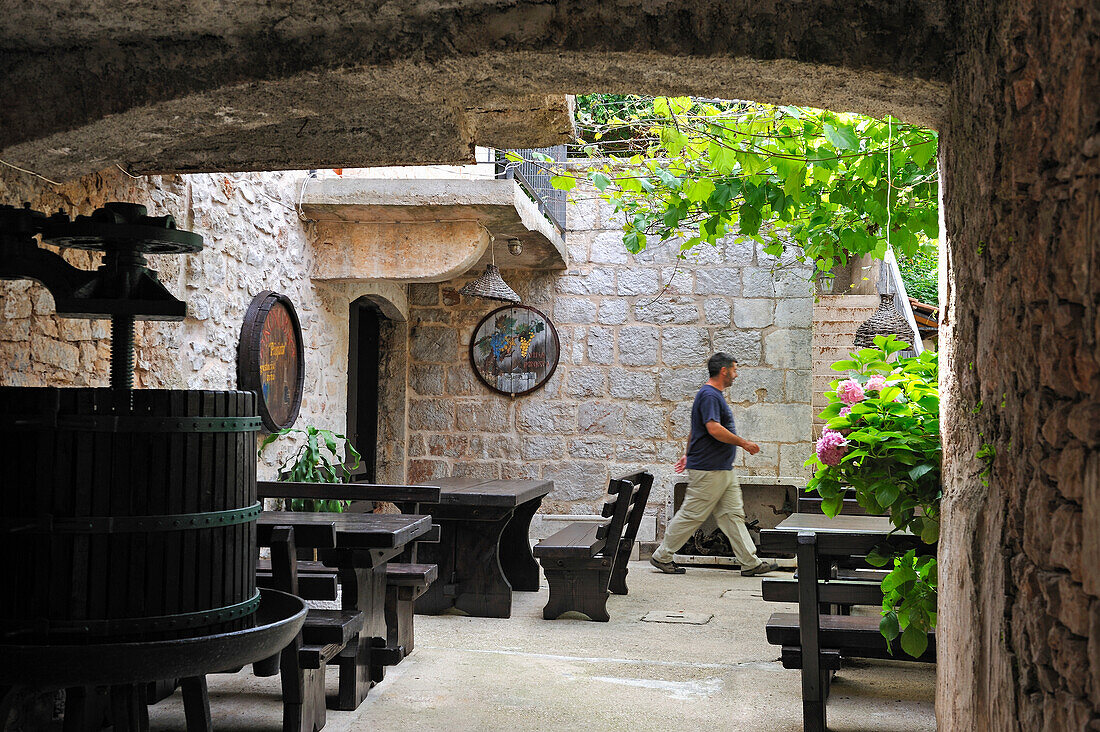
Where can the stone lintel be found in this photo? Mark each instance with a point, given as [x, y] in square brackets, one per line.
[425, 230]
[424, 251]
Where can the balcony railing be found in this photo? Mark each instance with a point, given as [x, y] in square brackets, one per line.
[533, 177]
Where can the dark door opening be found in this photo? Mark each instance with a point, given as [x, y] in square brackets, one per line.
[364, 357]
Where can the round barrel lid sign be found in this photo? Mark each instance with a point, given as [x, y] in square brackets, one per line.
[270, 361]
[514, 350]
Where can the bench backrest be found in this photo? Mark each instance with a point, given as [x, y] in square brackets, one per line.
[625, 508]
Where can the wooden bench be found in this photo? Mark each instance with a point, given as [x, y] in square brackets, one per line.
[325, 634]
[817, 643]
[585, 562]
[405, 583]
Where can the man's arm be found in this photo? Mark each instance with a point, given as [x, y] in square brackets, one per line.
[720, 433]
[681, 464]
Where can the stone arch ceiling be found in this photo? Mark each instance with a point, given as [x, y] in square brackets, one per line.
[188, 86]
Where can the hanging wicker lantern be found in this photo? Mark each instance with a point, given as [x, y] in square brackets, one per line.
[884, 321]
[491, 286]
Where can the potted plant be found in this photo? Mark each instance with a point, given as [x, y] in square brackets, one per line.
[882, 439]
[317, 460]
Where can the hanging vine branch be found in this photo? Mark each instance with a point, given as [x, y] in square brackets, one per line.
[809, 181]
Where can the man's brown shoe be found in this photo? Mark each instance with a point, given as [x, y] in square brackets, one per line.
[667, 567]
[763, 568]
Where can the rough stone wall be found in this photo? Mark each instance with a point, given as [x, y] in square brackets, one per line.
[1019, 625]
[630, 364]
[254, 241]
[245, 86]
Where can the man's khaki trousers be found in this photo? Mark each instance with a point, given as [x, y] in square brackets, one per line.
[717, 492]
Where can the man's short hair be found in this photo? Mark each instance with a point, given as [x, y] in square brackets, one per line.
[719, 361]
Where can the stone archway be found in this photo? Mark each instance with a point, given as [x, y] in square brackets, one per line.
[1010, 84]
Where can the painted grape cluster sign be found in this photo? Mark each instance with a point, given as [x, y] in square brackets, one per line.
[270, 360]
[514, 349]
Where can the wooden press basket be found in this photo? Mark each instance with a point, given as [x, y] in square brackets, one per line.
[126, 524]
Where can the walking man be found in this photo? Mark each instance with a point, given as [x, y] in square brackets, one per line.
[712, 486]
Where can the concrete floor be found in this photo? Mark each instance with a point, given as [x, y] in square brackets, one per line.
[526, 673]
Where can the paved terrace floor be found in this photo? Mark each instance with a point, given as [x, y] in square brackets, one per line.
[526, 673]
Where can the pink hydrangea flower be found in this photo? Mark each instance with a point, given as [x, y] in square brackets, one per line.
[845, 411]
[875, 383]
[831, 447]
[850, 391]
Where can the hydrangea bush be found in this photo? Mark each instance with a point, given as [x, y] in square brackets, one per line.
[882, 439]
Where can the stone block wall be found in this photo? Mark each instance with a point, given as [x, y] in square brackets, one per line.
[253, 240]
[635, 332]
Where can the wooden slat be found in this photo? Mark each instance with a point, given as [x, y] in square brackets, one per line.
[865, 575]
[353, 530]
[791, 656]
[483, 492]
[411, 575]
[349, 491]
[331, 626]
[853, 635]
[835, 592]
[314, 534]
[304, 567]
[575, 540]
[310, 586]
[316, 656]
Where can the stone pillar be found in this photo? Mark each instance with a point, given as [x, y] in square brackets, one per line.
[1019, 623]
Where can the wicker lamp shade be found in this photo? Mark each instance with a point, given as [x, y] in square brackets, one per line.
[491, 286]
[884, 321]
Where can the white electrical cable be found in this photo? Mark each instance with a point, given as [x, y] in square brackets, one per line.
[889, 177]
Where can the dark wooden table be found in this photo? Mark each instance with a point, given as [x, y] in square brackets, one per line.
[365, 542]
[819, 542]
[840, 536]
[484, 551]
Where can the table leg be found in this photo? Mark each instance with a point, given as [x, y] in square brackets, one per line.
[481, 587]
[364, 589]
[440, 595]
[516, 559]
[128, 710]
[196, 704]
[471, 578]
[814, 695]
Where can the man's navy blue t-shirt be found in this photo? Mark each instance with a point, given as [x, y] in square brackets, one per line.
[705, 452]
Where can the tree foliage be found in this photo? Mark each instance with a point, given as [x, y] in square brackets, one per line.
[920, 273]
[822, 184]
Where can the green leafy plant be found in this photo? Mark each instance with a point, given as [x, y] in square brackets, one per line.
[909, 602]
[818, 184]
[920, 273]
[986, 454]
[882, 439]
[317, 460]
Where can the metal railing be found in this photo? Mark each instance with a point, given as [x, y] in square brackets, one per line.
[533, 176]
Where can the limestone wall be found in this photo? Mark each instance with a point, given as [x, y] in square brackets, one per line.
[632, 357]
[254, 241]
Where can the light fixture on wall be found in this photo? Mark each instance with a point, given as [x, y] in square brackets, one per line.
[515, 246]
[490, 285]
